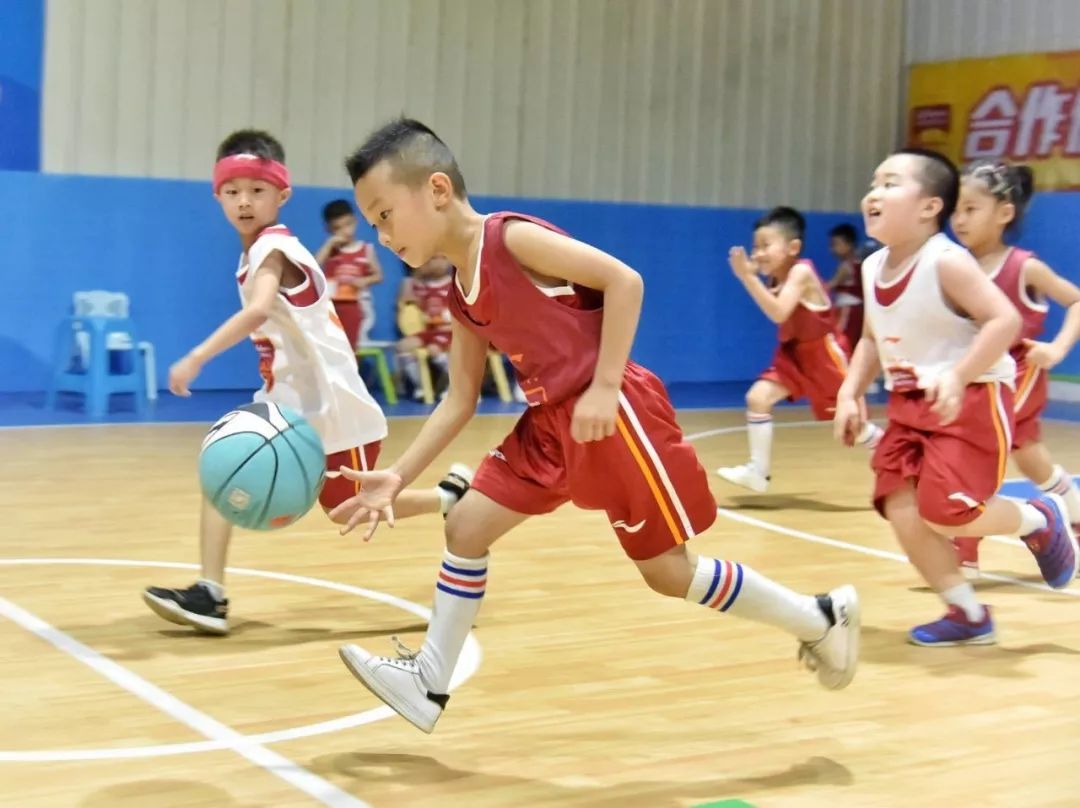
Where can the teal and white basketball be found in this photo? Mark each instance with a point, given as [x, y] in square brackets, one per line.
[262, 466]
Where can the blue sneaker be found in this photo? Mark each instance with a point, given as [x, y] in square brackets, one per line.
[1055, 547]
[955, 629]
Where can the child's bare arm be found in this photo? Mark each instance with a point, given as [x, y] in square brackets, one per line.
[557, 256]
[376, 275]
[843, 274]
[1063, 292]
[241, 325]
[777, 307]
[468, 359]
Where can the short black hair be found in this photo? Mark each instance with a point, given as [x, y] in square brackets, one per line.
[414, 152]
[788, 220]
[939, 178]
[846, 232]
[1007, 183]
[337, 209]
[252, 141]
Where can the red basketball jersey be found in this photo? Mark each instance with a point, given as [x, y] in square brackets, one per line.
[853, 285]
[552, 335]
[348, 263]
[809, 322]
[1010, 279]
[432, 295]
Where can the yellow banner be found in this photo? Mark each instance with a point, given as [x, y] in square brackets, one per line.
[1024, 108]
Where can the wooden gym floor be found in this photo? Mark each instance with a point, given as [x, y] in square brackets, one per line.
[585, 688]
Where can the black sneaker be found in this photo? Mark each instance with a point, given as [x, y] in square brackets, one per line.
[194, 607]
[457, 482]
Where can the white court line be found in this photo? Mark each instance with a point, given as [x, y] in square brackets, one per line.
[467, 666]
[858, 548]
[280, 766]
[873, 551]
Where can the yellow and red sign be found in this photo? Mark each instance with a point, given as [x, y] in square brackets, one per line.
[1023, 108]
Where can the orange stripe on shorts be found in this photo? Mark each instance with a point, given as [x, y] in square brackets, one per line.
[999, 429]
[835, 354]
[356, 466]
[649, 478]
[1023, 390]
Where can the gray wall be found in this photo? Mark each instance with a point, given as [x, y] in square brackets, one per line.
[720, 102]
[942, 30]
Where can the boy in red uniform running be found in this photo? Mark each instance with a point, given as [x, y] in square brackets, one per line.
[993, 198]
[941, 330]
[600, 430]
[812, 357]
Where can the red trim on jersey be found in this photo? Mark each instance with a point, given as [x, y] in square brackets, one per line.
[887, 295]
[304, 295]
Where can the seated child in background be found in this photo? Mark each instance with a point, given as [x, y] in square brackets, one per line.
[424, 315]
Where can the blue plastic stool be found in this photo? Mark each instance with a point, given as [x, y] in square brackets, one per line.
[97, 381]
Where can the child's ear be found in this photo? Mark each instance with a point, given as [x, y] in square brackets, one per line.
[794, 247]
[284, 196]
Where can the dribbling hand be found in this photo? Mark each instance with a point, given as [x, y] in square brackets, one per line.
[374, 503]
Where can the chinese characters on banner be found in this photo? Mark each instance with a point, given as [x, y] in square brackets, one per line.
[1023, 108]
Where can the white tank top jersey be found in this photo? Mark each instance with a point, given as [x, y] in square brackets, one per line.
[918, 336]
[304, 356]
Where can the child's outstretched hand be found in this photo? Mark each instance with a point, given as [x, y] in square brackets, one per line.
[182, 374]
[740, 263]
[375, 502]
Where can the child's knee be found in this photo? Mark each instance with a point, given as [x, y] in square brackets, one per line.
[665, 584]
[669, 574]
[757, 400]
[461, 537]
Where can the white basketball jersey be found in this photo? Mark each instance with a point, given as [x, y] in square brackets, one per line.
[304, 356]
[918, 336]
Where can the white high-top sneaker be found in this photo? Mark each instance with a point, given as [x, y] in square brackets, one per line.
[746, 476]
[835, 655]
[397, 682]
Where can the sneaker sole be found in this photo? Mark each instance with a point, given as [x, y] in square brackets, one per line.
[359, 670]
[850, 599]
[171, 611]
[982, 639]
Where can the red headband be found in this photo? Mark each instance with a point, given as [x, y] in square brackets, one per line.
[249, 166]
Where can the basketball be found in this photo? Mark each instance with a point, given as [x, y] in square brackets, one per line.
[262, 466]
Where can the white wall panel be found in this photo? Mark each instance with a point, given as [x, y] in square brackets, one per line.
[728, 102]
[942, 30]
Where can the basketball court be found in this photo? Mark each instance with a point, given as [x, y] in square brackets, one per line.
[582, 688]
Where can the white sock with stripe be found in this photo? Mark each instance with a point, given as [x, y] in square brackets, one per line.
[1062, 484]
[459, 591]
[759, 429]
[730, 587]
